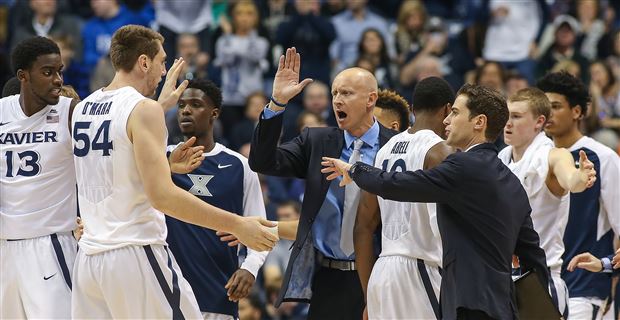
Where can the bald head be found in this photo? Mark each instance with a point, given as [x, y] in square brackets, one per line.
[354, 94]
[359, 76]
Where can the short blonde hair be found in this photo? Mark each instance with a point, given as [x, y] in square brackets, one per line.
[69, 92]
[536, 99]
[131, 41]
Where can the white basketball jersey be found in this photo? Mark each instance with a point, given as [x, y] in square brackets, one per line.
[409, 229]
[37, 180]
[549, 212]
[113, 204]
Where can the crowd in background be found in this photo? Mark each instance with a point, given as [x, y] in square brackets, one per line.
[505, 45]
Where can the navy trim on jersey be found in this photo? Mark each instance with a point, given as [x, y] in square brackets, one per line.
[174, 296]
[60, 256]
[206, 262]
[426, 280]
[581, 236]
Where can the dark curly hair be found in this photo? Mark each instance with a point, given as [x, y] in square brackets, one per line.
[396, 104]
[209, 88]
[432, 93]
[26, 52]
[489, 102]
[567, 85]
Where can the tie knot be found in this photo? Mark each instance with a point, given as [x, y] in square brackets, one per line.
[357, 144]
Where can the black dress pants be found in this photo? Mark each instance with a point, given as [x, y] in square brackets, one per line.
[336, 294]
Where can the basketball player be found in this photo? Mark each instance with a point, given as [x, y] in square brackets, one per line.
[593, 215]
[124, 268]
[547, 174]
[392, 110]
[37, 188]
[405, 280]
[224, 180]
[37, 250]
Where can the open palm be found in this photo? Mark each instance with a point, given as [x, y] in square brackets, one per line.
[286, 83]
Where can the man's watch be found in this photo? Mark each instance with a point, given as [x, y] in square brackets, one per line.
[352, 169]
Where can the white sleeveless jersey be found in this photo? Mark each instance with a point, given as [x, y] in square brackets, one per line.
[409, 229]
[549, 212]
[113, 204]
[37, 179]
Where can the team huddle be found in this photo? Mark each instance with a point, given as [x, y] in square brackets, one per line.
[428, 223]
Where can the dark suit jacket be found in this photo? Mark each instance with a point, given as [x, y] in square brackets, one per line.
[301, 158]
[484, 217]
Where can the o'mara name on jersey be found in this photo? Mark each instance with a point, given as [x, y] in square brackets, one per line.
[97, 108]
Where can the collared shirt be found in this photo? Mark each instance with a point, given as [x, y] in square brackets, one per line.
[326, 227]
[42, 29]
[349, 31]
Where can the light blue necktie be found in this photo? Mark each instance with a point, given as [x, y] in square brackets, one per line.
[351, 201]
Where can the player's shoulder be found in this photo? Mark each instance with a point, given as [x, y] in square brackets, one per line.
[233, 155]
[603, 152]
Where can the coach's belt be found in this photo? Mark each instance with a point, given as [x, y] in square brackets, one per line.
[343, 265]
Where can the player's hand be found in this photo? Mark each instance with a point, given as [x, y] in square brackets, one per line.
[239, 285]
[227, 237]
[585, 261]
[286, 83]
[586, 169]
[615, 261]
[336, 168]
[170, 93]
[186, 158]
[79, 231]
[256, 233]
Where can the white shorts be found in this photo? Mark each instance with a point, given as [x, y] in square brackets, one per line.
[403, 288]
[559, 293]
[585, 308]
[35, 278]
[133, 282]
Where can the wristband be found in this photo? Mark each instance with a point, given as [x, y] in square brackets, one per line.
[281, 105]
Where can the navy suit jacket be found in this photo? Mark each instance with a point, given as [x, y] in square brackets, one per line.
[301, 158]
[484, 217]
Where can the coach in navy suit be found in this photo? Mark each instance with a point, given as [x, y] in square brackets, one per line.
[321, 268]
[483, 211]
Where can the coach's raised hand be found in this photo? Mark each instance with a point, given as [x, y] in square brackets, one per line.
[255, 233]
[286, 83]
[170, 93]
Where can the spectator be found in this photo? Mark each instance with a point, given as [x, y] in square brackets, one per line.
[318, 101]
[614, 56]
[564, 47]
[102, 75]
[349, 28]
[570, 66]
[605, 89]
[372, 47]
[251, 308]
[450, 61]
[241, 53]
[509, 40]
[491, 74]
[47, 21]
[311, 34]
[174, 18]
[410, 25]
[98, 30]
[592, 28]
[243, 130]
[196, 61]
[73, 72]
[309, 120]
[514, 83]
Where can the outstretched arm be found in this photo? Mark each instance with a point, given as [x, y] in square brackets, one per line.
[569, 178]
[146, 130]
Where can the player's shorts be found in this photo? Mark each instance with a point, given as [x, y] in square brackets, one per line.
[403, 288]
[559, 293]
[586, 308]
[133, 282]
[35, 277]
